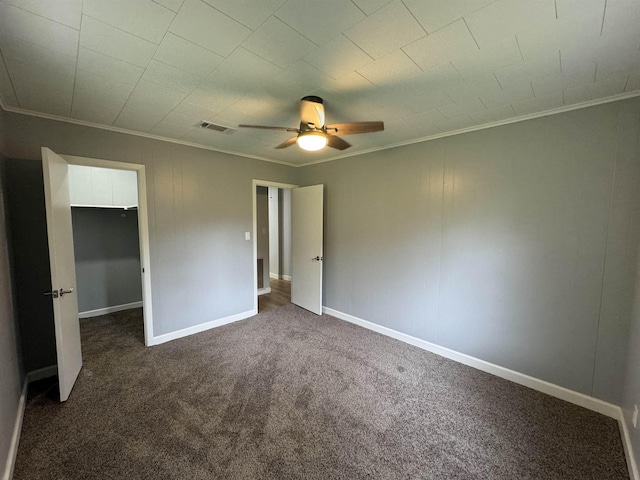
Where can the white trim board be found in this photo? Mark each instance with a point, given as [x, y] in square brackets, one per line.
[185, 332]
[571, 396]
[286, 277]
[106, 310]
[275, 276]
[15, 438]
[46, 372]
[634, 474]
[264, 291]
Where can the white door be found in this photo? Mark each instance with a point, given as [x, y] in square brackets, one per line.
[63, 274]
[306, 247]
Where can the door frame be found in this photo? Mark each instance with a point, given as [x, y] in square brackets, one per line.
[143, 231]
[260, 183]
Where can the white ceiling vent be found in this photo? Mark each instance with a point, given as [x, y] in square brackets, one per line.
[213, 126]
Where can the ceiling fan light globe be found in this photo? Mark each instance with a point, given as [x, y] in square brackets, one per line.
[312, 141]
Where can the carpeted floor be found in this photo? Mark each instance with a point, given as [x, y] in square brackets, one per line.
[288, 395]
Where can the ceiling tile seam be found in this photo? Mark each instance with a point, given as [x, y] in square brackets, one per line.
[41, 16]
[122, 30]
[75, 75]
[229, 16]
[604, 15]
[355, 45]
[454, 67]
[187, 40]
[300, 33]
[109, 56]
[497, 80]
[555, 6]
[532, 90]
[358, 7]
[166, 8]
[560, 59]
[414, 17]
[15, 93]
[168, 30]
[519, 49]
[131, 93]
[470, 32]
[595, 73]
[626, 83]
[412, 61]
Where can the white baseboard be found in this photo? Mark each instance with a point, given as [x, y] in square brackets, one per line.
[202, 327]
[46, 372]
[106, 310]
[628, 447]
[275, 276]
[543, 386]
[264, 291]
[15, 438]
[286, 277]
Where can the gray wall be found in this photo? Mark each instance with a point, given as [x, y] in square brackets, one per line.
[107, 253]
[200, 205]
[511, 244]
[631, 391]
[11, 377]
[262, 225]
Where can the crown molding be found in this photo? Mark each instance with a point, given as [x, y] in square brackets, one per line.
[521, 118]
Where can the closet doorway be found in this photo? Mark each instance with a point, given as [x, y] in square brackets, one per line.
[111, 239]
[104, 212]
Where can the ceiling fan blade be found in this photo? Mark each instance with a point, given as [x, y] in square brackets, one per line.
[287, 143]
[266, 127]
[312, 111]
[337, 142]
[351, 128]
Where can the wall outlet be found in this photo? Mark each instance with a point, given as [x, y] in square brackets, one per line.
[634, 418]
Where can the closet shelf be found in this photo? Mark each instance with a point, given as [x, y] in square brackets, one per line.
[123, 207]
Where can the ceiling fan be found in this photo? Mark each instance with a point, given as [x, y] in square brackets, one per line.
[313, 134]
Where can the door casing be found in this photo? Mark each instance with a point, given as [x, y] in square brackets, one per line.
[143, 231]
[254, 184]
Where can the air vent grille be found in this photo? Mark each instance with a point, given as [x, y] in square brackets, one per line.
[213, 126]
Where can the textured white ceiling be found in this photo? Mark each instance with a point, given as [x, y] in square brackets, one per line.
[424, 67]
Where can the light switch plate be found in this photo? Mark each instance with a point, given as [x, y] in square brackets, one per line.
[247, 235]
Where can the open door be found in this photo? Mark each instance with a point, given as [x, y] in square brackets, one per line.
[306, 247]
[63, 274]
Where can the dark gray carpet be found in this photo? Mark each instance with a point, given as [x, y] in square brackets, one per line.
[288, 395]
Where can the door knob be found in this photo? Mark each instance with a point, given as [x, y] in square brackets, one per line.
[317, 258]
[63, 291]
[53, 293]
